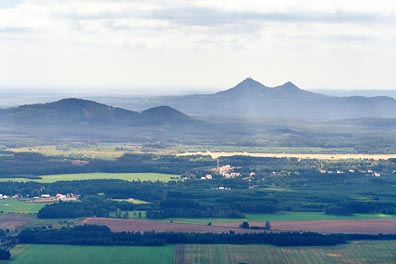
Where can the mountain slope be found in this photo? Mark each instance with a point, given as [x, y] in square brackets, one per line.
[78, 112]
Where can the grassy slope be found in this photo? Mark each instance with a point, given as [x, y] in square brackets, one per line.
[94, 176]
[65, 254]
[357, 252]
[20, 207]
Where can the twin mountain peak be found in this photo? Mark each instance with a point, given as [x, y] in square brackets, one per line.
[248, 99]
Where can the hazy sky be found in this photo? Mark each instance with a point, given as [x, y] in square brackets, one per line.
[117, 44]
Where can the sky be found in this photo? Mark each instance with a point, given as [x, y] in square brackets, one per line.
[176, 45]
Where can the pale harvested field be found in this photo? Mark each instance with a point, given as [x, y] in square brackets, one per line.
[216, 155]
[361, 226]
[12, 221]
[147, 225]
[356, 226]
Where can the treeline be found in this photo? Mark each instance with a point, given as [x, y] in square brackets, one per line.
[102, 235]
[28, 164]
[4, 253]
[222, 208]
[355, 207]
[93, 206]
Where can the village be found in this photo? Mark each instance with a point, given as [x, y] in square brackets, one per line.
[44, 198]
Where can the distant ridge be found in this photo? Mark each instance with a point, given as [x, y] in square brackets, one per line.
[77, 112]
[252, 99]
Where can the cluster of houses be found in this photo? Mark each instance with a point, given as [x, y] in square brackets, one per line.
[226, 171]
[47, 198]
[3, 197]
[365, 172]
[207, 177]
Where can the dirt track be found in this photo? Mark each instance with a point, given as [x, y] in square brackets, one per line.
[364, 226]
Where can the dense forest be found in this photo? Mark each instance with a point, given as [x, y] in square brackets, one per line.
[266, 185]
[102, 235]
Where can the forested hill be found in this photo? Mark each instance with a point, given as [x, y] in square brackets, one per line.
[77, 112]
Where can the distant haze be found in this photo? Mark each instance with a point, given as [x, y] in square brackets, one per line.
[173, 45]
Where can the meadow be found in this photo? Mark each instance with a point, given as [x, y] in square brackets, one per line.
[20, 207]
[65, 254]
[357, 252]
[97, 176]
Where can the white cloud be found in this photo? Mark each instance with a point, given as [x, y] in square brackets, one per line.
[256, 34]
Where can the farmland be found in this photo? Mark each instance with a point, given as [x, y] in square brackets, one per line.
[97, 176]
[15, 221]
[20, 207]
[356, 252]
[286, 216]
[358, 226]
[12, 221]
[103, 151]
[64, 254]
[119, 225]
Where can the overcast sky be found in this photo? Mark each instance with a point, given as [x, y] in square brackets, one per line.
[180, 44]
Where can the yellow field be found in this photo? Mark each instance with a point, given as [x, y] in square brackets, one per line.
[94, 151]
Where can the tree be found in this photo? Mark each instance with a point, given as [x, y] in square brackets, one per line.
[267, 225]
[5, 254]
[244, 225]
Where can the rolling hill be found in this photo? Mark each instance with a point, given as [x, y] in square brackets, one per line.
[74, 112]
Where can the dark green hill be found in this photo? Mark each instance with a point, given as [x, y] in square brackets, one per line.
[77, 112]
[164, 114]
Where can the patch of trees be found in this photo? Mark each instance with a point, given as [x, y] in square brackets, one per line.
[5, 254]
[102, 235]
[94, 206]
[349, 208]
[36, 164]
[338, 210]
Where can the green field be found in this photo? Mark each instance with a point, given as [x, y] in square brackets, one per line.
[131, 200]
[20, 207]
[357, 252]
[294, 216]
[96, 176]
[66, 254]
